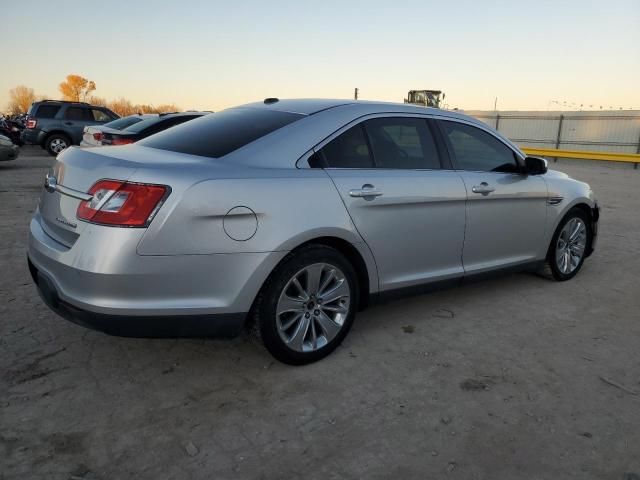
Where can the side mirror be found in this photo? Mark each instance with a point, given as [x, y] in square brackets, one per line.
[535, 165]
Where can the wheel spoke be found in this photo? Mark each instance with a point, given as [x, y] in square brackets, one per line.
[576, 230]
[290, 304]
[335, 308]
[327, 281]
[297, 339]
[577, 248]
[289, 323]
[328, 326]
[303, 293]
[314, 275]
[340, 290]
[314, 335]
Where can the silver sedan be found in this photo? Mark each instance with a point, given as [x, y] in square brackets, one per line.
[289, 216]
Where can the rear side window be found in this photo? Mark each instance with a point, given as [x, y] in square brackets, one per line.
[77, 113]
[402, 143]
[217, 134]
[47, 111]
[349, 150]
[100, 116]
[477, 150]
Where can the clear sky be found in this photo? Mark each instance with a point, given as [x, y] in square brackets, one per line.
[215, 54]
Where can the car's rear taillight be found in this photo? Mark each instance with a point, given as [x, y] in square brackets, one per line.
[121, 141]
[31, 123]
[97, 136]
[122, 204]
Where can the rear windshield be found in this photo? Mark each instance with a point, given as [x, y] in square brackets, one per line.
[123, 123]
[217, 134]
[139, 126]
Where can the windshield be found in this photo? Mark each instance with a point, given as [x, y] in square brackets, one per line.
[217, 134]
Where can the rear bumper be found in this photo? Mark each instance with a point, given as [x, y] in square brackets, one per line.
[33, 136]
[101, 282]
[219, 325]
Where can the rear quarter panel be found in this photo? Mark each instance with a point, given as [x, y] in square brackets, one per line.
[279, 208]
[287, 210]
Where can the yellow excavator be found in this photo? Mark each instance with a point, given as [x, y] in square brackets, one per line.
[426, 98]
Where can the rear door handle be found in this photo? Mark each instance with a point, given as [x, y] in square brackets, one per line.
[483, 188]
[68, 123]
[367, 190]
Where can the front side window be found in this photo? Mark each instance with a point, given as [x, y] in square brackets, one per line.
[402, 143]
[477, 150]
[348, 150]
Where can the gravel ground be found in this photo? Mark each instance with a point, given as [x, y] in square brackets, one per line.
[513, 378]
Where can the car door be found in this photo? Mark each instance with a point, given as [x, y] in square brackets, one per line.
[407, 208]
[75, 119]
[506, 208]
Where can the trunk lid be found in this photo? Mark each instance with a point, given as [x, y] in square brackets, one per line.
[74, 172]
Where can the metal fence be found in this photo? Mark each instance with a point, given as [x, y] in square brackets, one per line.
[585, 131]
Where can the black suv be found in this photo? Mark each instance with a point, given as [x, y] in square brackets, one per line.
[56, 124]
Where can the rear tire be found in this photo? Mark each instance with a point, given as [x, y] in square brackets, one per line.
[56, 143]
[569, 244]
[307, 305]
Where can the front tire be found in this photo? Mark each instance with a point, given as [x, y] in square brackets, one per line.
[56, 143]
[569, 244]
[307, 305]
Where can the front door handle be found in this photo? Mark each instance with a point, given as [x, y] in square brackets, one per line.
[367, 191]
[483, 188]
[68, 123]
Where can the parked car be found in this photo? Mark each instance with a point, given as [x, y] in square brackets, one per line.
[92, 135]
[292, 215]
[147, 127]
[8, 150]
[56, 125]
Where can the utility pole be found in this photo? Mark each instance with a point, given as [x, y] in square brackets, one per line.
[495, 104]
[355, 94]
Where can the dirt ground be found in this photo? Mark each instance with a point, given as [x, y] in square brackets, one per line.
[513, 378]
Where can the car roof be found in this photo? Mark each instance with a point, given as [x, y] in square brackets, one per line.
[323, 118]
[311, 106]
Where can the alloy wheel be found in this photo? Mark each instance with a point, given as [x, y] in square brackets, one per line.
[313, 307]
[58, 145]
[571, 245]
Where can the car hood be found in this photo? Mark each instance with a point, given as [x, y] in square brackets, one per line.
[556, 174]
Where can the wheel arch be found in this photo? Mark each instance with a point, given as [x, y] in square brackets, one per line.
[56, 132]
[357, 254]
[354, 256]
[585, 205]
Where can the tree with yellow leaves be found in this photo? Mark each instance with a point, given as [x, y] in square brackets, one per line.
[20, 99]
[76, 88]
